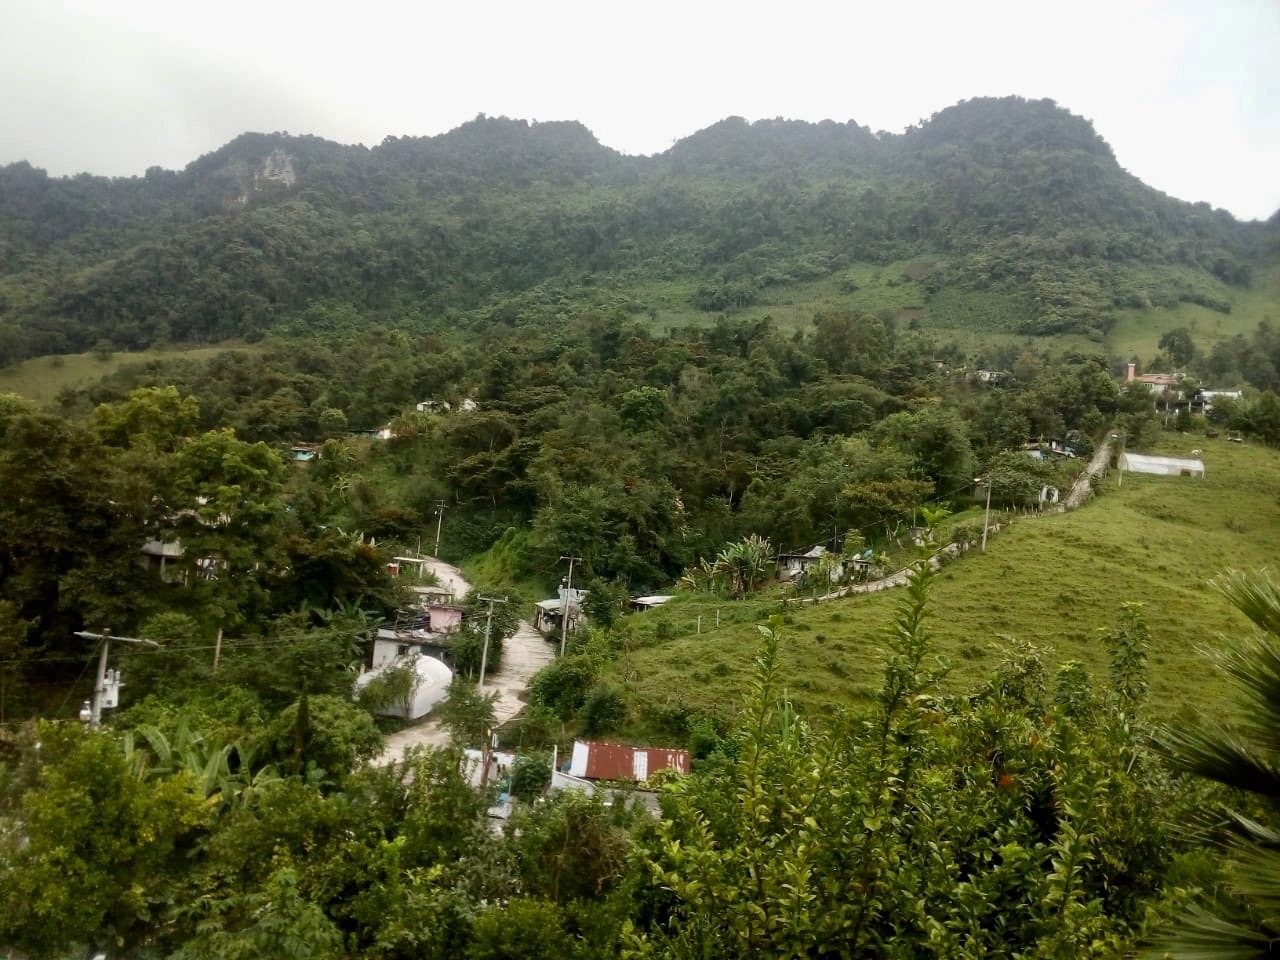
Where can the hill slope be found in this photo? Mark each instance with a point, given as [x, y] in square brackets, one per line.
[1057, 582]
[1008, 202]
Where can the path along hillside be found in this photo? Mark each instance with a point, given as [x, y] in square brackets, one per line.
[523, 655]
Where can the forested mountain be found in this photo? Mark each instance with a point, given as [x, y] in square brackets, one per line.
[500, 220]
[605, 378]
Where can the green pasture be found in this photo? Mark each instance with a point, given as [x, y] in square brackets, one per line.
[42, 379]
[1057, 581]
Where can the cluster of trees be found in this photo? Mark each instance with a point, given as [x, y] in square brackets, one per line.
[83, 498]
[480, 223]
[1035, 816]
[639, 452]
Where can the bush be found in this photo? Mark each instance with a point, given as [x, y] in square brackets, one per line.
[524, 929]
[561, 686]
[332, 733]
[604, 711]
[530, 775]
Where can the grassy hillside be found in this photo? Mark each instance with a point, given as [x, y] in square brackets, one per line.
[43, 378]
[977, 321]
[1057, 582]
[1137, 331]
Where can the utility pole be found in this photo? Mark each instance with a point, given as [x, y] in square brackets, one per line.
[100, 683]
[986, 517]
[488, 627]
[1122, 436]
[441, 506]
[564, 607]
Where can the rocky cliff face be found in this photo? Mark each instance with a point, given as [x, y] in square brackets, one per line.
[251, 178]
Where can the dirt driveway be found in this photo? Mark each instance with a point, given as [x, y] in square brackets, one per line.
[523, 655]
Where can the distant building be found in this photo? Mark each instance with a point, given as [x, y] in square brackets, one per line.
[614, 761]
[640, 604]
[444, 406]
[1162, 466]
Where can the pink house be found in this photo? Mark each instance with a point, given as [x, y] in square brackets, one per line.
[444, 617]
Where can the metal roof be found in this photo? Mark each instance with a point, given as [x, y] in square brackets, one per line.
[613, 761]
[651, 601]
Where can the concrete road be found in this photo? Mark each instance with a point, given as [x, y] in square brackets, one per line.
[523, 655]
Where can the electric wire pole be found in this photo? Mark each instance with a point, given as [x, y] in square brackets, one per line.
[564, 606]
[986, 517]
[488, 627]
[100, 683]
[441, 506]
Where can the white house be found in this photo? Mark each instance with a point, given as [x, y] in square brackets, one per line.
[792, 565]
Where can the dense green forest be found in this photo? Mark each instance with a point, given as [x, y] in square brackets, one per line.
[503, 221]
[575, 353]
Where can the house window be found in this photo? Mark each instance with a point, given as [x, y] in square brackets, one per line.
[402, 649]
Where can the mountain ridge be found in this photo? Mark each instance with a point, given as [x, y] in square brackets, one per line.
[1007, 192]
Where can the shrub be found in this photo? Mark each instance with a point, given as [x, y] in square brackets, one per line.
[530, 775]
[561, 686]
[604, 711]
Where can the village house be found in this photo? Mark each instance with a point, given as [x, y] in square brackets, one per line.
[1157, 383]
[1042, 449]
[1202, 402]
[602, 767]
[548, 614]
[792, 565]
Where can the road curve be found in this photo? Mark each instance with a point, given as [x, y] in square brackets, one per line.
[523, 655]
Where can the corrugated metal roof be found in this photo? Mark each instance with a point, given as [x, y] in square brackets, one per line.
[613, 761]
[653, 601]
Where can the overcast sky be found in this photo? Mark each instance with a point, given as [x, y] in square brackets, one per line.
[1187, 92]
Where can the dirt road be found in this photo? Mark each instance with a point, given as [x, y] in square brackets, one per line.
[1080, 489]
[523, 655]
[1083, 485]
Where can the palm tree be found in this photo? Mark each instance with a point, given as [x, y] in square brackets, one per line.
[1245, 756]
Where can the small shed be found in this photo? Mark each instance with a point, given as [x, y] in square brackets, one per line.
[613, 761]
[648, 603]
[547, 615]
[1162, 466]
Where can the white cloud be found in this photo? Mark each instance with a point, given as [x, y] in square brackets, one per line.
[1187, 93]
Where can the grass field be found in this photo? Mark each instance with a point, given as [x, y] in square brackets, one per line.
[1057, 581]
[1138, 331]
[43, 378]
[972, 319]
